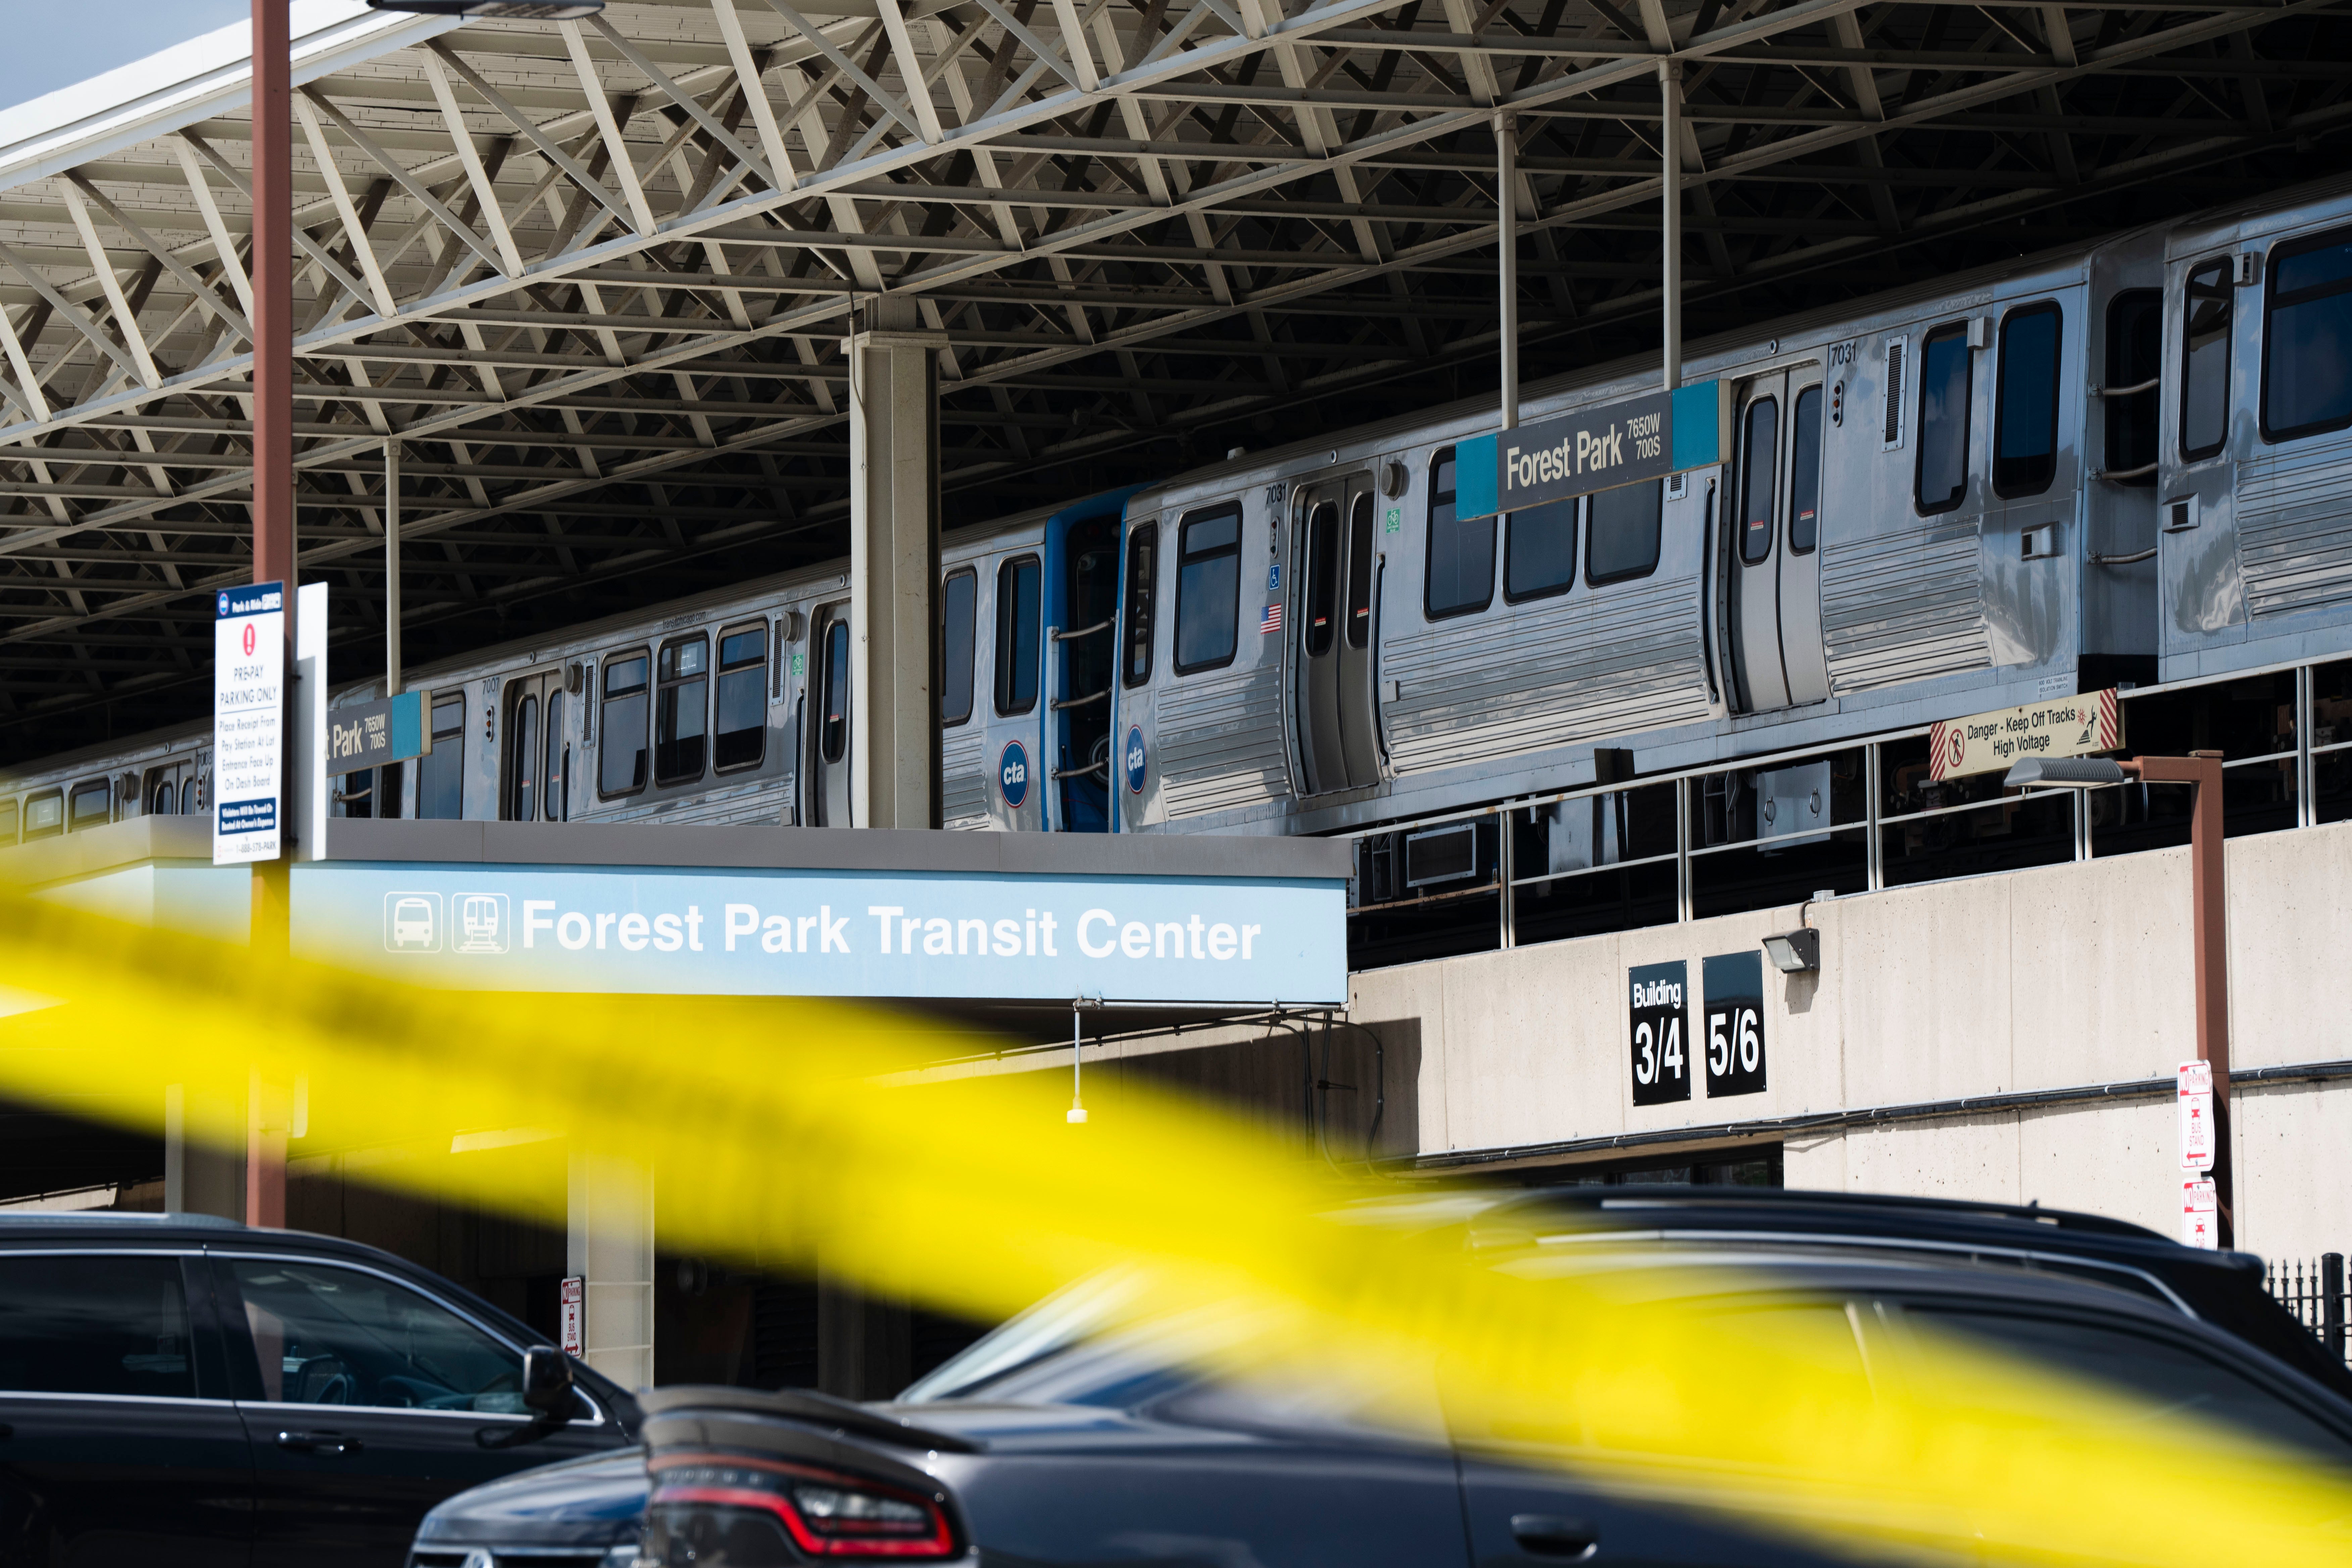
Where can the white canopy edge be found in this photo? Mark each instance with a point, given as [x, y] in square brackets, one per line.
[190, 82]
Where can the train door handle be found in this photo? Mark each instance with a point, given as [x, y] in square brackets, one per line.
[334, 1443]
[1550, 1535]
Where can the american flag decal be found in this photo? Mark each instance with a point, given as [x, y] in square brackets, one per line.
[1271, 621]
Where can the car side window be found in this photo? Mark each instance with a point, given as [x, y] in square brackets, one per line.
[621, 768]
[2306, 336]
[1208, 588]
[1941, 481]
[2164, 1378]
[441, 775]
[1018, 617]
[1459, 576]
[105, 1324]
[1818, 1334]
[2205, 326]
[957, 597]
[1143, 558]
[328, 1335]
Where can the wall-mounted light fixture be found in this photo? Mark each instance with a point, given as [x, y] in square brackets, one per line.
[2064, 773]
[1795, 951]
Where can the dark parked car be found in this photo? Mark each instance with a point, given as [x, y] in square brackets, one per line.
[174, 1390]
[1049, 1443]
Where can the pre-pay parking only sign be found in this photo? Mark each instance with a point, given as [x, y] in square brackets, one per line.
[1660, 1026]
[249, 721]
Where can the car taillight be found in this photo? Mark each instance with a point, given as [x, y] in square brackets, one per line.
[826, 1514]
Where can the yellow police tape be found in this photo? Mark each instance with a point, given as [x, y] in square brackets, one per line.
[771, 1141]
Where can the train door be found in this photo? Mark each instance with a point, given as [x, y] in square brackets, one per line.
[826, 800]
[1087, 650]
[1332, 607]
[170, 790]
[535, 765]
[1778, 660]
[1131, 772]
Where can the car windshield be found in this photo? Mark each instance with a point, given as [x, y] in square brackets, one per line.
[1082, 1345]
[1059, 1322]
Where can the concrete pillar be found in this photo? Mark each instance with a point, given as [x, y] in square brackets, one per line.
[198, 1178]
[609, 1248]
[864, 1344]
[894, 568]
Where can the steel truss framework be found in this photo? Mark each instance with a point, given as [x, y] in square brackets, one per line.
[592, 276]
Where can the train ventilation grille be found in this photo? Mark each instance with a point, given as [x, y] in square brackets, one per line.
[1891, 432]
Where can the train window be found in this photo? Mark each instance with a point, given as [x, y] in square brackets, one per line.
[1017, 619]
[1622, 529]
[1322, 578]
[441, 772]
[1805, 472]
[1142, 561]
[2307, 337]
[1460, 579]
[1208, 588]
[682, 710]
[2025, 401]
[522, 805]
[91, 805]
[958, 597]
[1759, 447]
[832, 737]
[555, 789]
[621, 762]
[1360, 573]
[2134, 339]
[1941, 481]
[7, 822]
[45, 815]
[740, 732]
[2205, 361]
[1539, 551]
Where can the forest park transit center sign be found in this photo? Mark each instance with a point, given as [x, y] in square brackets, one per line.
[851, 933]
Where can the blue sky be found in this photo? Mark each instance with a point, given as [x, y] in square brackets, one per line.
[56, 42]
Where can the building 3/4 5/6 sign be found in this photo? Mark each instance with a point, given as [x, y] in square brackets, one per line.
[1660, 1026]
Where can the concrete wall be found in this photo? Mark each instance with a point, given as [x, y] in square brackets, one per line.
[2051, 979]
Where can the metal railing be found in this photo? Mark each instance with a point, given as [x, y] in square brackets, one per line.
[1883, 826]
[2312, 1290]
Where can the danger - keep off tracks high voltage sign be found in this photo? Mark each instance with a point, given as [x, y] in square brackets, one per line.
[2059, 727]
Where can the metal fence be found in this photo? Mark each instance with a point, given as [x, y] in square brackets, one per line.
[2313, 1292]
[1863, 816]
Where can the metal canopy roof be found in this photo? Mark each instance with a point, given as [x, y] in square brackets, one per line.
[594, 276]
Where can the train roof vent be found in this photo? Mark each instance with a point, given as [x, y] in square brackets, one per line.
[1891, 432]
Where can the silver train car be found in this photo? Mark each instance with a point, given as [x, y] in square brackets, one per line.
[2125, 463]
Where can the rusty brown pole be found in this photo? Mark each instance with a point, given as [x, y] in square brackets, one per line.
[273, 511]
[2209, 927]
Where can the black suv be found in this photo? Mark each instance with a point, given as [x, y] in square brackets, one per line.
[180, 1390]
[1048, 1443]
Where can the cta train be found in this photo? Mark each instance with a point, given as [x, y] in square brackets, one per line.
[2124, 463]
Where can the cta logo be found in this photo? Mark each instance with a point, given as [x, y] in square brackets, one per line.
[1012, 774]
[1136, 761]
